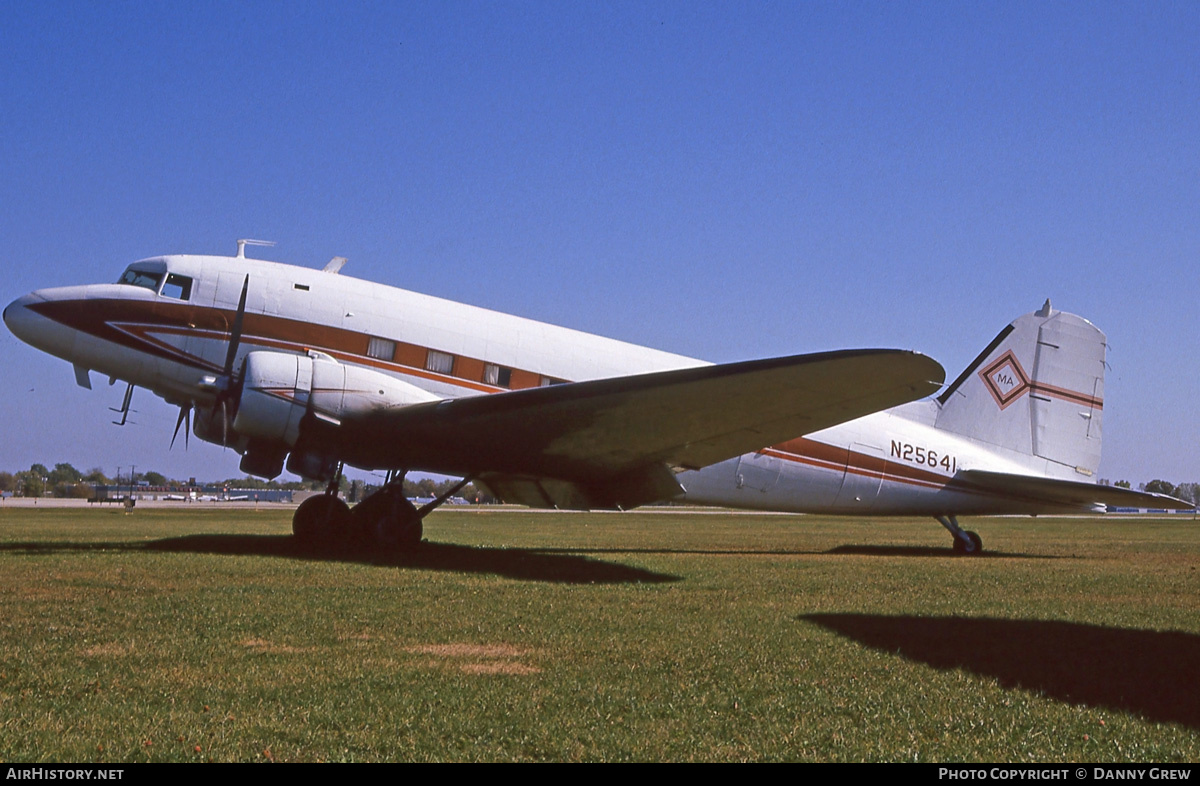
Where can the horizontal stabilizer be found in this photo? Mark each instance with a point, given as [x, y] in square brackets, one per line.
[1068, 493]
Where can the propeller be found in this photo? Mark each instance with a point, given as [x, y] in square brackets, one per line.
[228, 385]
[185, 414]
[236, 337]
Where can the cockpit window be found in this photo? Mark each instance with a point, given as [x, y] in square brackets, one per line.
[141, 278]
[177, 286]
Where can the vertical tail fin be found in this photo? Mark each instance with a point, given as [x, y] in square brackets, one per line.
[1037, 390]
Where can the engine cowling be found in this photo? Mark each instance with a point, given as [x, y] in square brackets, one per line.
[278, 390]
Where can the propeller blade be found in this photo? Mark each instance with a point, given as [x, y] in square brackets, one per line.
[235, 337]
[228, 384]
[184, 414]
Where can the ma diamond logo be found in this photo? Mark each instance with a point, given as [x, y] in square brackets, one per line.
[1005, 379]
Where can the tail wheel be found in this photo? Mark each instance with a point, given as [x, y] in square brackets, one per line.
[973, 546]
[965, 541]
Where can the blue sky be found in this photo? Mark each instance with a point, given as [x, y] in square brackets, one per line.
[725, 180]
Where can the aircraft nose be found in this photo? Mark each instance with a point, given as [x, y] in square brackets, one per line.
[20, 318]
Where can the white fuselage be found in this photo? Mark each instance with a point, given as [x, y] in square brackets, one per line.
[891, 462]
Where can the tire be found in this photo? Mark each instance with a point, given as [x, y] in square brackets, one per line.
[320, 522]
[972, 548]
[388, 522]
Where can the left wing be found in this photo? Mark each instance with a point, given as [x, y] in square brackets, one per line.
[614, 442]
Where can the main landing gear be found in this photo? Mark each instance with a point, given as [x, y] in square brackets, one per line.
[384, 522]
[320, 522]
[965, 542]
[387, 520]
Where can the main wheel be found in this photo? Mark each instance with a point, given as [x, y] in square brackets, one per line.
[320, 521]
[386, 520]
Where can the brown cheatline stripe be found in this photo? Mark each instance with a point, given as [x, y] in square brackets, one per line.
[118, 321]
[820, 454]
[1068, 395]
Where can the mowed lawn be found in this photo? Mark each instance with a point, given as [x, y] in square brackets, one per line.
[200, 633]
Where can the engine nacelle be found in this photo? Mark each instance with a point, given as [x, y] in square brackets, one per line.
[279, 389]
[312, 464]
[216, 426]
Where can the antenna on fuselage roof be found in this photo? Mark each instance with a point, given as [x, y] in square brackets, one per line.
[243, 242]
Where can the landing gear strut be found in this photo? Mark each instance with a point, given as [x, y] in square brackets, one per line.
[965, 542]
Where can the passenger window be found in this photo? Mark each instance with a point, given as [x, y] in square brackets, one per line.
[178, 287]
[381, 348]
[500, 376]
[439, 362]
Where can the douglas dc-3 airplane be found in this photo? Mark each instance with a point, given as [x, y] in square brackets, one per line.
[311, 370]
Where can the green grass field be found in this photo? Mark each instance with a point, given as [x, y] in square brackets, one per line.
[201, 633]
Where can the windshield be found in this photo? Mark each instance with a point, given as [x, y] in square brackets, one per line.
[141, 278]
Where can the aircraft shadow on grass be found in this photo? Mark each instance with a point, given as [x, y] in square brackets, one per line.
[1150, 673]
[926, 551]
[864, 551]
[544, 564]
[515, 563]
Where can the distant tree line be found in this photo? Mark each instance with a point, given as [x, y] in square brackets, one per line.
[428, 487]
[66, 481]
[1185, 491]
[62, 481]
[1189, 492]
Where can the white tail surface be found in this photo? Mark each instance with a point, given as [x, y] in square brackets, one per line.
[1038, 390]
